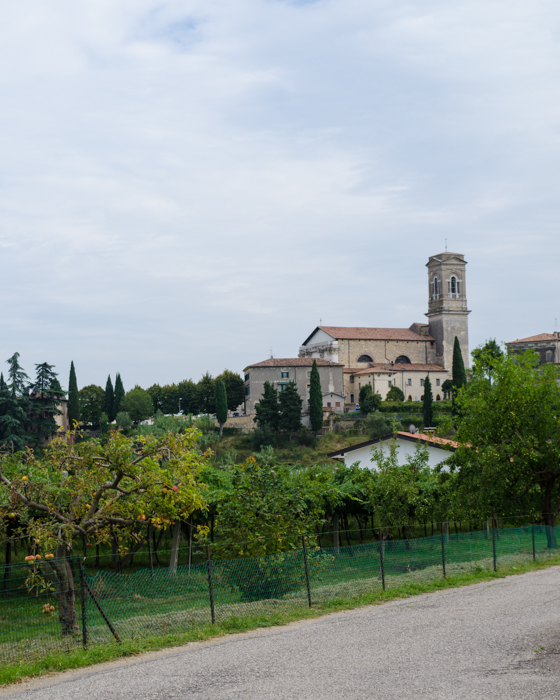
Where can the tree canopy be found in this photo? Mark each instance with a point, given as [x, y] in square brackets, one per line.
[267, 410]
[138, 404]
[73, 398]
[290, 409]
[92, 403]
[221, 404]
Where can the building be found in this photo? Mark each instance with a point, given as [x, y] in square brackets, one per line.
[546, 345]
[439, 449]
[403, 357]
[281, 371]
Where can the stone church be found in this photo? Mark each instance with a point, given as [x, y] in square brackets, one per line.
[403, 357]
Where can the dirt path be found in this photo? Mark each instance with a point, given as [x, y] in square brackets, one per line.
[468, 643]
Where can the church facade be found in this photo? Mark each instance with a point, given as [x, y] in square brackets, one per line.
[403, 357]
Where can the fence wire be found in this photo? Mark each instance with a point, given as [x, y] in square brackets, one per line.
[57, 605]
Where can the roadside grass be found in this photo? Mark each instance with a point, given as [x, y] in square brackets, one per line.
[79, 658]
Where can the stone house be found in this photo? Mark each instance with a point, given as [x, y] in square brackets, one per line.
[407, 377]
[546, 345]
[281, 371]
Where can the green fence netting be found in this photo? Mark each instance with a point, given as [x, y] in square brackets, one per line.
[42, 611]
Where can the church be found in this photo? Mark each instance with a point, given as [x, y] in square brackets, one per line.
[350, 357]
[402, 357]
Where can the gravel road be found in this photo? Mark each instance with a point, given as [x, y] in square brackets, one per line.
[475, 642]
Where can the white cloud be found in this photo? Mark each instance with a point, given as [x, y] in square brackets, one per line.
[186, 184]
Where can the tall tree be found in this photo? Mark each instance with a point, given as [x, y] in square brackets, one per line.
[235, 388]
[221, 404]
[459, 374]
[427, 403]
[290, 409]
[315, 399]
[267, 409]
[92, 404]
[138, 404]
[156, 392]
[206, 394]
[190, 400]
[46, 394]
[14, 407]
[119, 393]
[109, 400]
[73, 398]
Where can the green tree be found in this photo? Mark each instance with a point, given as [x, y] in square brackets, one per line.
[394, 394]
[315, 399]
[15, 407]
[369, 402]
[73, 399]
[221, 401]
[156, 394]
[290, 409]
[206, 394]
[46, 394]
[459, 374]
[124, 421]
[119, 394]
[188, 393]
[447, 387]
[92, 404]
[427, 403]
[267, 409]
[509, 439]
[170, 399]
[235, 388]
[114, 490]
[138, 404]
[109, 399]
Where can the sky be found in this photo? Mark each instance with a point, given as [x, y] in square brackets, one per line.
[191, 185]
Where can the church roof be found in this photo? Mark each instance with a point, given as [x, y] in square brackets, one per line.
[386, 368]
[535, 338]
[361, 333]
[294, 362]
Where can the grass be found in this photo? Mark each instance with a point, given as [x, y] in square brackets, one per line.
[79, 658]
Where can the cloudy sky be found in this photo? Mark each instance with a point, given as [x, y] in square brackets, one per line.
[185, 185]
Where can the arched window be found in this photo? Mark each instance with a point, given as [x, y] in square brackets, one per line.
[438, 398]
[549, 355]
[402, 360]
[410, 398]
[435, 288]
[453, 286]
[365, 358]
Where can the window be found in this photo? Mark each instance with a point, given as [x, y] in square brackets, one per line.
[365, 358]
[409, 382]
[438, 398]
[282, 387]
[247, 377]
[308, 388]
[410, 398]
[453, 286]
[351, 398]
[437, 382]
[285, 375]
[549, 355]
[402, 360]
[246, 391]
[421, 382]
[337, 404]
[309, 374]
[328, 404]
[352, 379]
[390, 383]
[435, 288]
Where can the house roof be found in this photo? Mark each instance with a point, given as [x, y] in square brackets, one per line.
[360, 333]
[535, 338]
[384, 368]
[294, 362]
[432, 440]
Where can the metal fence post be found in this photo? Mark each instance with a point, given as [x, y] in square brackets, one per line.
[306, 570]
[443, 551]
[382, 557]
[494, 543]
[533, 536]
[84, 602]
[103, 615]
[210, 588]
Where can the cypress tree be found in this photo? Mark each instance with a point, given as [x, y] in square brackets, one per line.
[45, 399]
[459, 374]
[267, 409]
[315, 399]
[73, 399]
[290, 409]
[119, 393]
[427, 401]
[109, 400]
[221, 404]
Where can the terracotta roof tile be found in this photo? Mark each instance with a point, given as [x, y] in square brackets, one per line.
[294, 362]
[360, 333]
[535, 338]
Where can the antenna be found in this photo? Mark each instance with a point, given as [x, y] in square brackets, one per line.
[271, 354]
[446, 245]
[320, 321]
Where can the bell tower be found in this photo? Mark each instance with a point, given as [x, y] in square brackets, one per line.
[447, 306]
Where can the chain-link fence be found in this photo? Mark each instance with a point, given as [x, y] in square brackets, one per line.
[52, 605]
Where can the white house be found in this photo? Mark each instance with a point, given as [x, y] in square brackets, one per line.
[439, 449]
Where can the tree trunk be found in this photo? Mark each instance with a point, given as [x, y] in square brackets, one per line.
[175, 547]
[61, 576]
[7, 570]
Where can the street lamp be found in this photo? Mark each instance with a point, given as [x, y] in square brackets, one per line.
[179, 405]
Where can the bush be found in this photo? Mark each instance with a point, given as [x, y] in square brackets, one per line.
[306, 438]
[262, 437]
